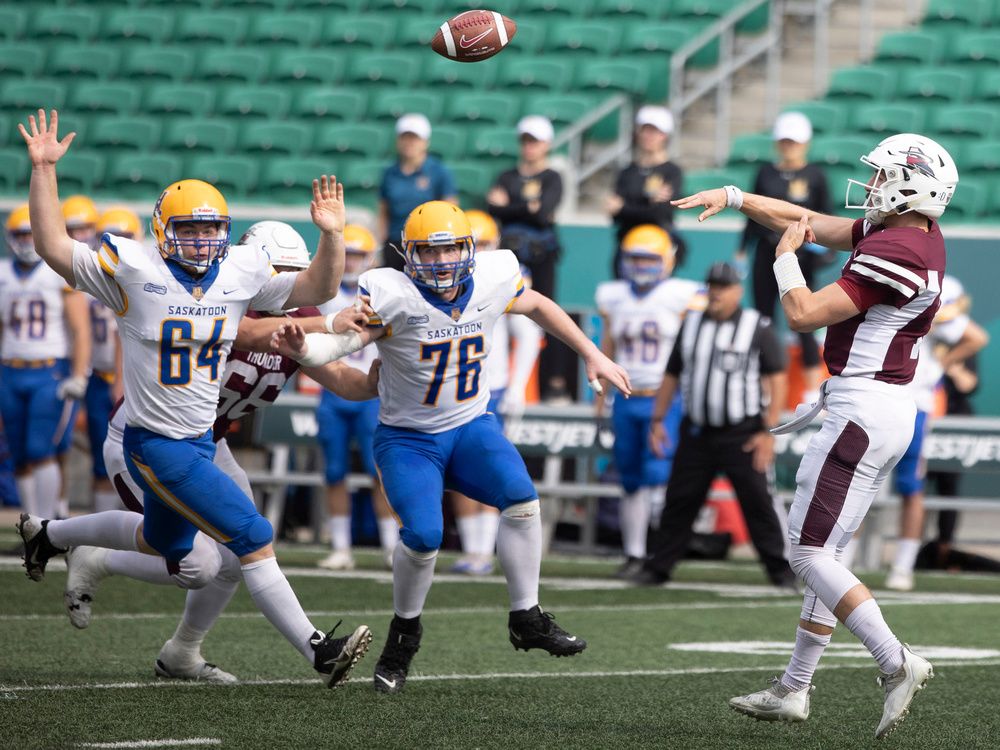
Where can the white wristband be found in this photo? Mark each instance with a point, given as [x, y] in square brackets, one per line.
[328, 322]
[734, 197]
[788, 274]
[322, 348]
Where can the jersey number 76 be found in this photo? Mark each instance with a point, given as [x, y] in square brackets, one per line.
[467, 384]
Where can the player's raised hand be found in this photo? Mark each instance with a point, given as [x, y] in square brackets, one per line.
[289, 340]
[41, 135]
[713, 200]
[599, 368]
[795, 235]
[327, 207]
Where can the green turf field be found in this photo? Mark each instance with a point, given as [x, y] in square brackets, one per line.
[658, 671]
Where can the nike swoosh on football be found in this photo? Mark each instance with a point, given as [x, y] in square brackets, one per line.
[389, 683]
[466, 43]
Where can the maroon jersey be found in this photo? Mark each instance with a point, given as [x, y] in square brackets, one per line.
[894, 277]
[253, 380]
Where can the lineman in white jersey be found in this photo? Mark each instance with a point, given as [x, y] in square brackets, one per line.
[179, 306]
[45, 351]
[640, 317]
[434, 325]
[341, 420]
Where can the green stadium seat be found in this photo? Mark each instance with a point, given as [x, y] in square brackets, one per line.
[80, 171]
[755, 21]
[703, 9]
[987, 88]
[418, 31]
[552, 9]
[390, 104]
[234, 176]
[352, 139]
[180, 4]
[910, 46]
[664, 38]
[361, 174]
[561, 109]
[267, 102]
[157, 64]
[359, 31]
[63, 24]
[495, 141]
[13, 22]
[306, 67]
[288, 138]
[975, 120]
[623, 76]
[289, 179]
[695, 182]
[960, 13]
[536, 73]
[405, 7]
[509, 8]
[530, 36]
[645, 9]
[283, 30]
[950, 85]
[833, 150]
[137, 25]
[589, 37]
[982, 157]
[474, 180]
[978, 49]
[347, 6]
[141, 175]
[21, 59]
[82, 61]
[199, 135]
[855, 84]
[384, 68]
[244, 66]
[441, 72]
[256, 4]
[825, 116]
[124, 133]
[210, 27]
[493, 108]
[28, 96]
[448, 142]
[15, 169]
[969, 202]
[752, 148]
[886, 119]
[330, 103]
[93, 96]
[179, 99]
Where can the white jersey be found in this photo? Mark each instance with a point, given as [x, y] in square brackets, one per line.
[360, 360]
[104, 333]
[33, 313]
[498, 363]
[929, 370]
[643, 327]
[176, 335]
[433, 351]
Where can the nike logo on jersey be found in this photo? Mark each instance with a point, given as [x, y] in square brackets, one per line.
[391, 684]
[229, 291]
[483, 307]
[466, 43]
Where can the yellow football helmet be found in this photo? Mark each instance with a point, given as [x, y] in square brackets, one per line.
[80, 215]
[647, 255]
[191, 201]
[484, 229]
[360, 246]
[19, 239]
[438, 224]
[121, 222]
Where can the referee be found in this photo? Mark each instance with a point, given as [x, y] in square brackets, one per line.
[730, 368]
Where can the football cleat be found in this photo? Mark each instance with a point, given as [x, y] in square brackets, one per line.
[85, 568]
[632, 566]
[339, 559]
[646, 577]
[900, 687]
[899, 580]
[336, 657]
[533, 628]
[174, 663]
[471, 565]
[394, 663]
[38, 550]
[775, 703]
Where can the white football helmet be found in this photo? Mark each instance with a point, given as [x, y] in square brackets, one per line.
[912, 173]
[283, 245]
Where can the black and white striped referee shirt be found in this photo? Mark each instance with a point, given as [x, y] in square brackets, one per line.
[720, 363]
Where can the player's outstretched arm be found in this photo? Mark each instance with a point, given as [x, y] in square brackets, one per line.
[320, 282]
[47, 226]
[831, 231]
[553, 319]
[254, 334]
[346, 381]
[318, 349]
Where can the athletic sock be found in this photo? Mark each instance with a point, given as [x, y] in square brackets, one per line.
[801, 667]
[412, 574]
[48, 479]
[467, 528]
[633, 513]
[201, 609]
[868, 625]
[486, 534]
[114, 529]
[906, 555]
[519, 549]
[148, 568]
[388, 533]
[106, 500]
[26, 493]
[657, 498]
[340, 532]
[274, 597]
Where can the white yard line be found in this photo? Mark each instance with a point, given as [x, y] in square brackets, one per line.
[192, 741]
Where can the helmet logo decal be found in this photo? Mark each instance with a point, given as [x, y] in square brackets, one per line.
[918, 160]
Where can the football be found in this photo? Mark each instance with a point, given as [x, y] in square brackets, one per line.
[473, 35]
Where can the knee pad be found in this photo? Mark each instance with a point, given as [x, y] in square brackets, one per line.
[418, 555]
[200, 565]
[819, 569]
[423, 540]
[229, 568]
[813, 610]
[254, 536]
[523, 510]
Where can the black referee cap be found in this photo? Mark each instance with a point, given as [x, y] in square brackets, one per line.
[723, 273]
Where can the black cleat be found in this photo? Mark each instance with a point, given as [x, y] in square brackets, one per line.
[394, 663]
[629, 568]
[336, 657]
[533, 628]
[38, 550]
[647, 577]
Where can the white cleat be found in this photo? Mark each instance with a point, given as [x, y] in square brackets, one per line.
[86, 567]
[899, 580]
[339, 559]
[900, 689]
[170, 665]
[776, 703]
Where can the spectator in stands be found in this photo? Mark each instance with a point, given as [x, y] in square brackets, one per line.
[415, 178]
[643, 189]
[792, 178]
[524, 201]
